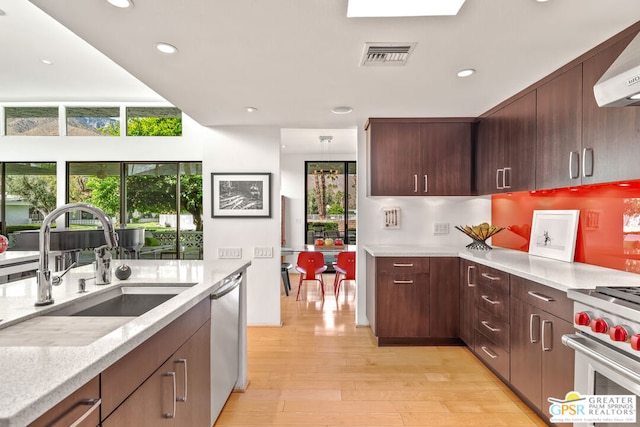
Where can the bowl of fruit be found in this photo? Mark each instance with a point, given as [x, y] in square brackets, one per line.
[480, 233]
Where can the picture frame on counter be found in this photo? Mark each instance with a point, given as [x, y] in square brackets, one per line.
[241, 195]
[553, 234]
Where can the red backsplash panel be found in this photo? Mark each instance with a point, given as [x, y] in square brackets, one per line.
[608, 229]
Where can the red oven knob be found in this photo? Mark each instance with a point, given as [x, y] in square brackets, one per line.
[635, 342]
[600, 326]
[582, 318]
[618, 333]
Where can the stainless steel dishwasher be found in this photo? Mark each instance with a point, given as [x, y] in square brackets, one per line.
[225, 342]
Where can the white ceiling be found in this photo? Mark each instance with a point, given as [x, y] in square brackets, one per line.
[293, 59]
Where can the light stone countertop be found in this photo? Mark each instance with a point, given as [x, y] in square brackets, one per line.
[13, 257]
[34, 379]
[556, 274]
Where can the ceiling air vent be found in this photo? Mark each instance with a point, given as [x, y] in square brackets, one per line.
[386, 53]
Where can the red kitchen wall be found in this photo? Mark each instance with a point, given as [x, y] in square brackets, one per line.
[608, 229]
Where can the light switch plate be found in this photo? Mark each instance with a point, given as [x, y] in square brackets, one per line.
[263, 252]
[229, 253]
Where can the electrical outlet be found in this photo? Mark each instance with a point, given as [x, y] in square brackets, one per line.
[263, 252]
[229, 253]
[441, 228]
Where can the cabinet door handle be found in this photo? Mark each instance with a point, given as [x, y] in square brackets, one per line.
[186, 380]
[426, 184]
[490, 277]
[489, 300]
[587, 164]
[540, 296]
[531, 338]
[94, 404]
[498, 185]
[507, 178]
[399, 264]
[415, 183]
[469, 268]
[173, 401]
[574, 165]
[546, 323]
[489, 352]
[489, 327]
[403, 282]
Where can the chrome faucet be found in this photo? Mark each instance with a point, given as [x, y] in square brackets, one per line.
[103, 257]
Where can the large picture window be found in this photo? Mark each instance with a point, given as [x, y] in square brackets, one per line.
[163, 198]
[331, 196]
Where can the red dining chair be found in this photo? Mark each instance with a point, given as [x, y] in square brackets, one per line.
[311, 266]
[345, 267]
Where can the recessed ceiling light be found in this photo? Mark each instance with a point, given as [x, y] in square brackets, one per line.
[636, 96]
[394, 8]
[250, 109]
[466, 72]
[542, 1]
[122, 4]
[342, 110]
[46, 62]
[166, 48]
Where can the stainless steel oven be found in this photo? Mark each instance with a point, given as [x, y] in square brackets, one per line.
[606, 344]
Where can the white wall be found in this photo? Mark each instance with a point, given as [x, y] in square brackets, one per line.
[247, 149]
[417, 216]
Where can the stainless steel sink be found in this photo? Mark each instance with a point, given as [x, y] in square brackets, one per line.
[129, 301]
[104, 312]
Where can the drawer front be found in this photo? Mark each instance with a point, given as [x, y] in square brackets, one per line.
[543, 297]
[496, 279]
[492, 354]
[493, 301]
[402, 265]
[494, 328]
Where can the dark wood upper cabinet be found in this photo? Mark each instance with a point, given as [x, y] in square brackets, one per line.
[506, 148]
[611, 135]
[419, 157]
[559, 131]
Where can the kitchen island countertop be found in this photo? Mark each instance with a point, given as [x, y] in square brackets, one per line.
[34, 379]
[556, 274]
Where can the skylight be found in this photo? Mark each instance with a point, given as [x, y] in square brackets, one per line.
[394, 8]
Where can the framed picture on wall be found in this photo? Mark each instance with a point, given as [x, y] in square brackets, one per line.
[241, 195]
[553, 234]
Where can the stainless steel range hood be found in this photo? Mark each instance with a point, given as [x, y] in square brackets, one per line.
[621, 81]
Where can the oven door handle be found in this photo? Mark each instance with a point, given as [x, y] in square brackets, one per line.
[600, 353]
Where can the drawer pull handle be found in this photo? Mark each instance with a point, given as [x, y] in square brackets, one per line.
[489, 352]
[399, 264]
[490, 277]
[173, 380]
[95, 404]
[186, 376]
[531, 322]
[403, 282]
[469, 268]
[489, 327]
[489, 300]
[415, 183]
[540, 296]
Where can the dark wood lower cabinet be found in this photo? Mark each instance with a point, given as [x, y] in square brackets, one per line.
[541, 366]
[414, 300]
[468, 272]
[177, 394]
[82, 406]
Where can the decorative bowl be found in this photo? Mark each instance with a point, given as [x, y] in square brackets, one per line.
[479, 234]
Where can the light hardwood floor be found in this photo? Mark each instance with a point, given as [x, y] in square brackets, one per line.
[319, 369]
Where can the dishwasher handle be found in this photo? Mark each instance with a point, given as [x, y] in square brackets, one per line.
[227, 287]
